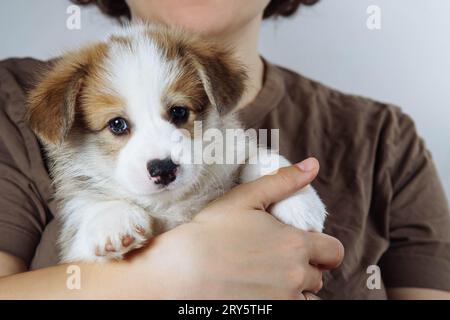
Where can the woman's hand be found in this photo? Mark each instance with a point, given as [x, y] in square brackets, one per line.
[235, 250]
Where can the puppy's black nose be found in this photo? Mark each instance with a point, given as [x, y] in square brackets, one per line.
[164, 171]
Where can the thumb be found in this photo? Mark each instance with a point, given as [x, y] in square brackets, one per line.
[269, 189]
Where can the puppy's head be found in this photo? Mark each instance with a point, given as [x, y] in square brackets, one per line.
[113, 108]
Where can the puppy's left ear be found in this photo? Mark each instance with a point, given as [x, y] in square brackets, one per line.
[223, 77]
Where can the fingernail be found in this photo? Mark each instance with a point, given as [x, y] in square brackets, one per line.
[308, 165]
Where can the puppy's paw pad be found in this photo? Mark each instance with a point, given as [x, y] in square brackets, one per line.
[142, 231]
[127, 240]
[118, 245]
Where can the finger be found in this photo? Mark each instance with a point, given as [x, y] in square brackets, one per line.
[313, 279]
[326, 252]
[301, 296]
[273, 188]
[310, 296]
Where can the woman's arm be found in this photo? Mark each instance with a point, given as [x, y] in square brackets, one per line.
[115, 280]
[417, 294]
[418, 219]
[10, 265]
[233, 249]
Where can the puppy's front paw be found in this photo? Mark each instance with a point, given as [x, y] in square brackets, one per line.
[119, 242]
[113, 229]
[304, 210]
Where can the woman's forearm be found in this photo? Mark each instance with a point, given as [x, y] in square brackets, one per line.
[115, 280]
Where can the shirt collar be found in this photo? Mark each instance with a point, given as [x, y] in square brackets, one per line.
[269, 97]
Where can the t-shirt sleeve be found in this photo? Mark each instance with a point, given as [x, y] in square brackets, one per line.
[419, 219]
[23, 214]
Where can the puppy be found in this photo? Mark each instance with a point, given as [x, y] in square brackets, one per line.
[107, 115]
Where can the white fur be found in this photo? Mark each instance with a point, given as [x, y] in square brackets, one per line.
[100, 222]
[304, 210]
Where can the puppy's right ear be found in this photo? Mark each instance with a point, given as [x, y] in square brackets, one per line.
[53, 102]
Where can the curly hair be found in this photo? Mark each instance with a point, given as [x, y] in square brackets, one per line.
[119, 9]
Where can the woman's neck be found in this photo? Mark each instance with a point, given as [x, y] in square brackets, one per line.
[245, 44]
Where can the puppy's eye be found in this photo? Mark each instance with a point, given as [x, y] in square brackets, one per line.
[178, 114]
[118, 126]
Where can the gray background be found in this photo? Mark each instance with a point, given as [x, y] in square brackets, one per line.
[407, 62]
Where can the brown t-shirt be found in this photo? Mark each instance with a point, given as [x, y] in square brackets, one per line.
[377, 179]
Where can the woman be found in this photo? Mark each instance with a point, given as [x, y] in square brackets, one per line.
[385, 200]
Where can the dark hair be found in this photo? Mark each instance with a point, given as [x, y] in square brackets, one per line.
[119, 8]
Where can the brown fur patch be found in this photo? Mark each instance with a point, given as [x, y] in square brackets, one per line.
[224, 77]
[98, 109]
[187, 91]
[99, 105]
[123, 41]
[210, 74]
[54, 101]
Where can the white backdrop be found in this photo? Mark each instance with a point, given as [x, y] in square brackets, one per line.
[406, 62]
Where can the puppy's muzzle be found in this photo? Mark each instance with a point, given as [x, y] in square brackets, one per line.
[162, 171]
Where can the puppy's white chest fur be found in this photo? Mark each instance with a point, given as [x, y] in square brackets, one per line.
[96, 229]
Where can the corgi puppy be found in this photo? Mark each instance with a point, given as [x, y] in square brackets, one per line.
[107, 116]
